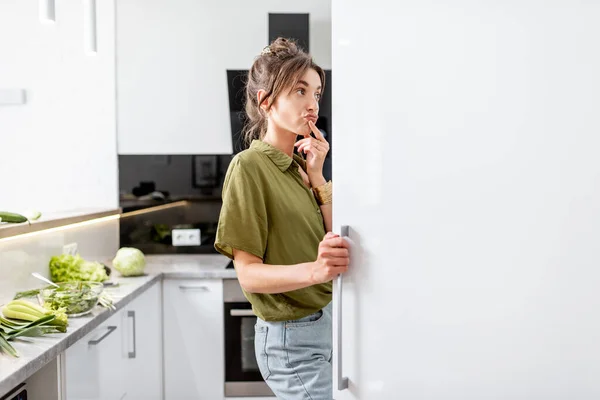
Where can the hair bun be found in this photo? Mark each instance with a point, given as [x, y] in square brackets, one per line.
[282, 48]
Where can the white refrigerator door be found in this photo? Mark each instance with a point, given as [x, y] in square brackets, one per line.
[466, 163]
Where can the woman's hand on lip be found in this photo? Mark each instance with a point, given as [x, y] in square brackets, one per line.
[311, 117]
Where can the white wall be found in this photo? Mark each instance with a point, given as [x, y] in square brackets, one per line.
[177, 103]
[58, 151]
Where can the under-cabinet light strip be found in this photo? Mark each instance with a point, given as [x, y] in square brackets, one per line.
[61, 228]
[154, 209]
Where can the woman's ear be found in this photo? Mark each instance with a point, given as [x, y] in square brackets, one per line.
[260, 97]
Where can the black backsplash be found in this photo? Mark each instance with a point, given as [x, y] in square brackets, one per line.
[177, 176]
[159, 193]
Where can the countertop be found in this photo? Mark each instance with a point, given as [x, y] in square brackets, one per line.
[37, 352]
[190, 266]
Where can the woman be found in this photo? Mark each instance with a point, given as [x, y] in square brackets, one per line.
[275, 223]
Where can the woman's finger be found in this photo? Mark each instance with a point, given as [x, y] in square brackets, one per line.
[302, 141]
[306, 146]
[306, 140]
[322, 147]
[338, 261]
[316, 130]
[336, 242]
[312, 149]
[337, 252]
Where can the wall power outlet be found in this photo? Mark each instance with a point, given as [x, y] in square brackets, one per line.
[70, 249]
[185, 237]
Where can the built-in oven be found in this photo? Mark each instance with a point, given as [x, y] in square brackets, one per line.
[242, 376]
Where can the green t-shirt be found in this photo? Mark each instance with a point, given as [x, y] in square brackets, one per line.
[269, 212]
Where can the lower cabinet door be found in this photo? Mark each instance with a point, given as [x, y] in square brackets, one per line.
[142, 325]
[95, 365]
[193, 335]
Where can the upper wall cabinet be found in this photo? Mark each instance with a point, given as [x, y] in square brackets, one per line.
[61, 56]
[171, 79]
[172, 62]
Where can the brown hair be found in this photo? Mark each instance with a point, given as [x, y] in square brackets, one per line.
[279, 66]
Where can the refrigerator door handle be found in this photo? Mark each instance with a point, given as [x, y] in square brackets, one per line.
[342, 380]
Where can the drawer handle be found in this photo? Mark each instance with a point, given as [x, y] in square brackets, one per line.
[131, 354]
[198, 288]
[110, 328]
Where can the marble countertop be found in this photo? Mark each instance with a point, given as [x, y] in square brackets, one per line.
[190, 266]
[37, 352]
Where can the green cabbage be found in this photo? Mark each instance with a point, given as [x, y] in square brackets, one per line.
[69, 268]
[129, 261]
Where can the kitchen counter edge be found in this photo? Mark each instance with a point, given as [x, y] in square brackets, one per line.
[56, 221]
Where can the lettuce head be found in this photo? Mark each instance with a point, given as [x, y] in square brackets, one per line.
[129, 261]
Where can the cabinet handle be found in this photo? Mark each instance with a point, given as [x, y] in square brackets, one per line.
[342, 381]
[47, 11]
[110, 328]
[131, 314]
[198, 288]
[242, 313]
[90, 26]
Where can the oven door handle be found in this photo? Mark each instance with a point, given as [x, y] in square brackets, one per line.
[193, 287]
[242, 313]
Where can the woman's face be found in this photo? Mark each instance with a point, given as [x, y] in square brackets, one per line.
[293, 108]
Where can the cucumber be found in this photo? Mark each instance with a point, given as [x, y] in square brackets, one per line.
[12, 217]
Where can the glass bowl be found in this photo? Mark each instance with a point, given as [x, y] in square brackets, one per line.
[76, 298]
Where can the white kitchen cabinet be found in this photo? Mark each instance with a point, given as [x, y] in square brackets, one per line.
[94, 366]
[121, 358]
[193, 339]
[142, 320]
[69, 94]
[171, 82]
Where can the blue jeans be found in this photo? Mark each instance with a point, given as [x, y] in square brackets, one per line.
[294, 357]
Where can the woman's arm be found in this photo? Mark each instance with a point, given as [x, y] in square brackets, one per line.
[326, 211]
[256, 277]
